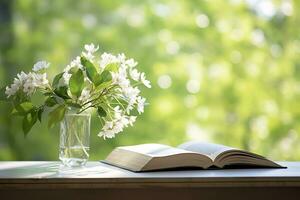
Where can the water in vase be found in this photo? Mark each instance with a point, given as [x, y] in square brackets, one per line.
[74, 140]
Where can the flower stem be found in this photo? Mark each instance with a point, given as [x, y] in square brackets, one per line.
[119, 103]
[83, 148]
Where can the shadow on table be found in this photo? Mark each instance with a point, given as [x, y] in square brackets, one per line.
[44, 169]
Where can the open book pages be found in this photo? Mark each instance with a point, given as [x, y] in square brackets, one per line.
[209, 149]
[146, 157]
[225, 156]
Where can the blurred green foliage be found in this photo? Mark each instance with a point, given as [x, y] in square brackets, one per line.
[222, 71]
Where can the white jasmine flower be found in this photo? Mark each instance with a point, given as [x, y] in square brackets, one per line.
[22, 76]
[124, 82]
[107, 130]
[67, 68]
[106, 134]
[131, 63]
[118, 123]
[144, 81]
[131, 94]
[108, 125]
[140, 104]
[121, 58]
[107, 58]
[129, 107]
[91, 48]
[28, 88]
[123, 122]
[30, 84]
[122, 71]
[41, 80]
[135, 75]
[17, 84]
[118, 127]
[132, 119]
[119, 119]
[117, 111]
[76, 63]
[66, 78]
[88, 55]
[120, 79]
[40, 65]
[10, 91]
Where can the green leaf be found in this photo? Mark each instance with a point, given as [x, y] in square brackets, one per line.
[28, 121]
[50, 101]
[103, 85]
[106, 79]
[73, 70]
[62, 92]
[105, 76]
[23, 108]
[14, 112]
[91, 71]
[56, 115]
[101, 112]
[57, 79]
[76, 83]
[40, 113]
[113, 67]
[3, 96]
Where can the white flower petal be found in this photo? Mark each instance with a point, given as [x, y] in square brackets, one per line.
[40, 65]
[135, 75]
[131, 63]
[144, 81]
[140, 104]
[91, 48]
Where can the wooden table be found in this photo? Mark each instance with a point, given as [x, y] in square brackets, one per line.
[48, 180]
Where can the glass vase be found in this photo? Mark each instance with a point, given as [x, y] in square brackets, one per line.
[74, 139]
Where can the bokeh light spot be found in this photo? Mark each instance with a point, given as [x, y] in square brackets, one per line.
[202, 21]
[193, 86]
[164, 81]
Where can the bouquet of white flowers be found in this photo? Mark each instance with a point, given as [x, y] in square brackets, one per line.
[108, 83]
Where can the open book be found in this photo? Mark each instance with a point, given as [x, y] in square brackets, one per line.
[148, 157]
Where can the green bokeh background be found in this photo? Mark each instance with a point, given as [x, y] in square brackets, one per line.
[221, 71]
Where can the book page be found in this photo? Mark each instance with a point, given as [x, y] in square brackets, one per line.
[155, 150]
[209, 149]
[145, 157]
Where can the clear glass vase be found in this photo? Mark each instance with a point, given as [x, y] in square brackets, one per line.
[74, 139]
